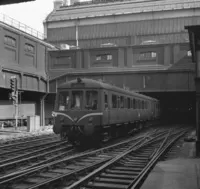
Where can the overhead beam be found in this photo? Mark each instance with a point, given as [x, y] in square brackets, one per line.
[6, 2]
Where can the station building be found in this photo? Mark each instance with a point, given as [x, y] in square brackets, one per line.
[141, 45]
[23, 54]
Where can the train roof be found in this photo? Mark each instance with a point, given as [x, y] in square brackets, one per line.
[90, 83]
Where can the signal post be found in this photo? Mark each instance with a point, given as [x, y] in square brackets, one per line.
[14, 97]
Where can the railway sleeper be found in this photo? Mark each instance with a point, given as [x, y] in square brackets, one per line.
[145, 152]
[89, 160]
[134, 173]
[82, 164]
[106, 186]
[61, 171]
[145, 159]
[36, 179]
[116, 176]
[126, 169]
[73, 167]
[21, 186]
[133, 159]
[119, 181]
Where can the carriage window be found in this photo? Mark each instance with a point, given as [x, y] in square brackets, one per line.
[91, 100]
[121, 102]
[134, 104]
[129, 103]
[105, 101]
[143, 105]
[125, 102]
[114, 101]
[138, 104]
[77, 99]
[63, 101]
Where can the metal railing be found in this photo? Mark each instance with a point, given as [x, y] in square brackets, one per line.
[20, 26]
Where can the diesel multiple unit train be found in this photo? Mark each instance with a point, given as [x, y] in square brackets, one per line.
[92, 111]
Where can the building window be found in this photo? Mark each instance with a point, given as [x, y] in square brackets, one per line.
[145, 56]
[63, 60]
[10, 41]
[29, 48]
[103, 57]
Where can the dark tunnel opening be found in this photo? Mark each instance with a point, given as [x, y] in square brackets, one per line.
[176, 107]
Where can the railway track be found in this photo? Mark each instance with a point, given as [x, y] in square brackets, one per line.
[53, 172]
[24, 146]
[128, 170]
[175, 150]
[24, 138]
[36, 158]
[23, 156]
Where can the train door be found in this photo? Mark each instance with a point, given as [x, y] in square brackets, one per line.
[106, 108]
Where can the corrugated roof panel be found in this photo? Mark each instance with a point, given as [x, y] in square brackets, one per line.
[121, 7]
[61, 34]
[134, 40]
[152, 27]
[162, 29]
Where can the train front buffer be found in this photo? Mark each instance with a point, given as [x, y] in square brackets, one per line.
[77, 125]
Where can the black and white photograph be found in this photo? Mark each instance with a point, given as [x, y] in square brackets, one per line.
[100, 94]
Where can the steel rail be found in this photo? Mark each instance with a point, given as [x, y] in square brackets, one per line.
[88, 168]
[26, 149]
[139, 180]
[23, 173]
[42, 158]
[112, 161]
[20, 172]
[107, 164]
[16, 173]
[22, 156]
[34, 170]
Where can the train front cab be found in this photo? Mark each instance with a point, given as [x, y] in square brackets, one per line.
[78, 113]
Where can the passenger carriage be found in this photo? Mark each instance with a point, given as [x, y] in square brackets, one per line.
[90, 110]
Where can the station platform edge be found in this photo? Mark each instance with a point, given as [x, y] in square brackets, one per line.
[179, 173]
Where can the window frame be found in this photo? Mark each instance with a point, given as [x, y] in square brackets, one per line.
[146, 57]
[8, 38]
[27, 46]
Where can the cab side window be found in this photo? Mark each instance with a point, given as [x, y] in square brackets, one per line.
[63, 101]
[91, 100]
